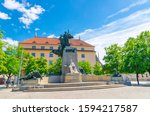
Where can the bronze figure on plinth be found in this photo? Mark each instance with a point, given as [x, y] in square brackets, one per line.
[64, 41]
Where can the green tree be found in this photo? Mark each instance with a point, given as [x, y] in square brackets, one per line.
[146, 37]
[12, 65]
[35, 64]
[3, 68]
[12, 62]
[25, 58]
[10, 58]
[135, 55]
[97, 69]
[1, 34]
[42, 65]
[86, 66]
[113, 59]
[20, 54]
[55, 68]
[31, 65]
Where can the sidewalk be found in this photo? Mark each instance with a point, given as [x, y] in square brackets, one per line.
[128, 92]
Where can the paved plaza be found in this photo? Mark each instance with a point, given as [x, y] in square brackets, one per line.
[127, 92]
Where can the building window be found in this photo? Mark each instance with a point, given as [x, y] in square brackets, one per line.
[82, 49]
[33, 47]
[50, 62]
[51, 55]
[42, 54]
[82, 55]
[51, 48]
[42, 47]
[33, 54]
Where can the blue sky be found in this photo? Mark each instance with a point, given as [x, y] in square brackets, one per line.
[99, 22]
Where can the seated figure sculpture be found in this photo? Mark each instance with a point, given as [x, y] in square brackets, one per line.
[72, 68]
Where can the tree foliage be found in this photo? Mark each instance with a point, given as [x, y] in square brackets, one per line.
[35, 64]
[12, 65]
[1, 34]
[12, 62]
[86, 66]
[3, 68]
[55, 68]
[31, 65]
[113, 59]
[97, 69]
[42, 65]
[146, 37]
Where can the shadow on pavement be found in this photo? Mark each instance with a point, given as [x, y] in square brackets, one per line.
[141, 85]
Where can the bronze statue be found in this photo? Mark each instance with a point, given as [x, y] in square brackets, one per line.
[32, 75]
[64, 41]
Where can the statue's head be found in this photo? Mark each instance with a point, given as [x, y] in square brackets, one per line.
[67, 35]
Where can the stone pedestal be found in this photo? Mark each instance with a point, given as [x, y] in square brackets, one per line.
[70, 70]
[71, 78]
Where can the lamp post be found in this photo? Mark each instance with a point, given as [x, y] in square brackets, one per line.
[20, 68]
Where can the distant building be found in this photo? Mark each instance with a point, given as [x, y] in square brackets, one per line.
[42, 47]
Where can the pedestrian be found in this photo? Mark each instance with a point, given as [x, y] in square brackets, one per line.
[12, 83]
[7, 83]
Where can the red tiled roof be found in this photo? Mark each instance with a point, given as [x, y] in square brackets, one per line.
[37, 40]
[77, 42]
[54, 41]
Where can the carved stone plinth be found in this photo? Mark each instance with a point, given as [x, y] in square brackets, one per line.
[72, 78]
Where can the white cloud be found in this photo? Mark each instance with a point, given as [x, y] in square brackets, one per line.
[4, 16]
[44, 33]
[10, 41]
[138, 3]
[29, 15]
[26, 3]
[26, 21]
[118, 31]
[12, 4]
[83, 33]
[36, 29]
[51, 36]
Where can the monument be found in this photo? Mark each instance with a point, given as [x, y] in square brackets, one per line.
[70, 70]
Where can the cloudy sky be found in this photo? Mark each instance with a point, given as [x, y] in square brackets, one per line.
[99, 22]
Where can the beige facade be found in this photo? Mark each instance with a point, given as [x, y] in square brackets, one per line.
[37, 48]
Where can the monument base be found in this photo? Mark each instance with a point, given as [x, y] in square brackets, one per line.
[71, 78]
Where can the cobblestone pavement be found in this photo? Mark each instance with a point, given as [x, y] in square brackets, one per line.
[128, 92]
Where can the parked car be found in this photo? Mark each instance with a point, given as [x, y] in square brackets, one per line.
[2, 81]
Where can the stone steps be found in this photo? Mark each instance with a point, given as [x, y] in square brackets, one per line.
[72, 87]
[74, 84]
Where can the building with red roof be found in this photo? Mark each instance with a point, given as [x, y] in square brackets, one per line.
[42, 47]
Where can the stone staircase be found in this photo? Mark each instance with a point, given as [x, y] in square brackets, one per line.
[72, 86]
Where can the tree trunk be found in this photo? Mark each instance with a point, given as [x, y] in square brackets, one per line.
[137, 78]
[8, 80]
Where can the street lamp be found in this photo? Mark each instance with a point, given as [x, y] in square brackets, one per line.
[20, 68]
